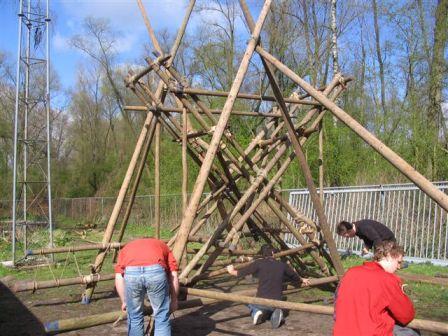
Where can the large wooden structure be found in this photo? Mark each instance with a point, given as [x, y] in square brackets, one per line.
[242, 180]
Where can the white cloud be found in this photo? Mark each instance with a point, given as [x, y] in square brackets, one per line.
[60, 42]
[126, 43]
[125, 17]
[125, 14]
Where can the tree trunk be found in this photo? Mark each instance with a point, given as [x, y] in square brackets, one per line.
[438, 64]
[380, 62]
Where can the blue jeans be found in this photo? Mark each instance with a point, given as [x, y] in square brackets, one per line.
[405, 331]
[254, 308]
[152, 281]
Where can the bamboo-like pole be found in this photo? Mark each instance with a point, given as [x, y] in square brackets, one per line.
[119, 203]
[201, 92]
[157, 181]
[213, 111]
[239, 205]
[242, 265]
[424, 278]
[154, 41]
[76, 323]
[137, 179]
[308, 178]
[124, 187]
[59, 326]
[189, 215]
[300, 155]
[434, 326]
[405, 168]
[65, 249]
[22, 286]
[314, 254]
[184, 173]
[321, 161]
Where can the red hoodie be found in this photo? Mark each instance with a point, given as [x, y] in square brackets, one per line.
[369, 302]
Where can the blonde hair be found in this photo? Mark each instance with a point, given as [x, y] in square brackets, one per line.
[387, 248]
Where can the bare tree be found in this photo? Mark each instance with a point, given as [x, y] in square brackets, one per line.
[99, 42]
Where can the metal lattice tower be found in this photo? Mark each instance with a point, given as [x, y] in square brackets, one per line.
[32, 173]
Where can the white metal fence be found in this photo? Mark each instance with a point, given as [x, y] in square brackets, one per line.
[419, 224]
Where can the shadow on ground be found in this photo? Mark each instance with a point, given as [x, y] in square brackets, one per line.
[15, 318]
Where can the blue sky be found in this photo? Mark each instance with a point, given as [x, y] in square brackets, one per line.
[67, 16]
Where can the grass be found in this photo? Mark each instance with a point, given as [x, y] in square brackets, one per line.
[424, 296]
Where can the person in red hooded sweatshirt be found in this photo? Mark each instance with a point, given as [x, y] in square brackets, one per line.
[370, 300]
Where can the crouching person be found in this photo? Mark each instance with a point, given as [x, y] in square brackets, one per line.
[270, 274]
[370, 299]
[147, 267]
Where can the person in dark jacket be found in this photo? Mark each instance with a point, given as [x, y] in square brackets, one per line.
[270, 274]
[370, 231]
[370, 299]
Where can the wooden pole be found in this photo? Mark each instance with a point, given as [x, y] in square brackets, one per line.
[69, 249]
[142, 108]
[60, 326]
[190, 213]
[405, 168]
[22, 286]
[118, 204]
[195, 91]
[242, 265]
[434, 326]
[76, 323]
[321, 162]
[154, 41]
[184, 260]
[301, 157]
[157, 181]
[134, 189]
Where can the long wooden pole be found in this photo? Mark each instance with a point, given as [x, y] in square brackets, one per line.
[242, 265]
[438, 196]
[157, 181]
[184, 260]
[137, 178]
[301, 156]
[119, 203]
[124, 187]
[434, 326]
[154, 41]
[60, 326]
[250, 96]
[25, 285]
[69, 249]
[190, 213]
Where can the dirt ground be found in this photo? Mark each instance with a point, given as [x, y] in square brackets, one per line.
[25, 313]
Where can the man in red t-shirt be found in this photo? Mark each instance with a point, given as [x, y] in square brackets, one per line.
[370, 300]
[147, 266]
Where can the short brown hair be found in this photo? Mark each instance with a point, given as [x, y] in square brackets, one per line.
[343, 227]
[387, 248]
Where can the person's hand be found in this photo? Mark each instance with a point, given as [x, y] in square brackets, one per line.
[230, 269]
[364, 251]
[173, 305]
[306, 282]
[123, 307]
